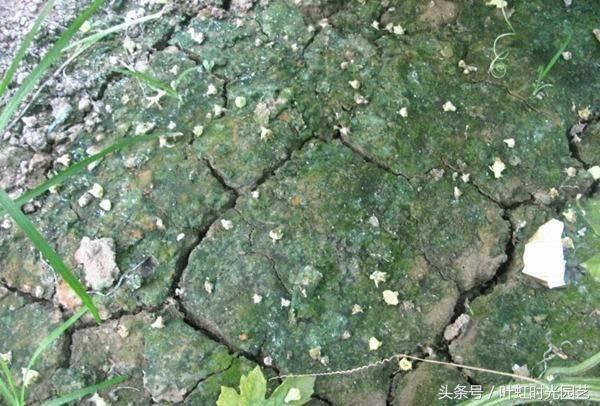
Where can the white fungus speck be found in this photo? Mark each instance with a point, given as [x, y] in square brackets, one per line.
[457, 193]
[158, 323]
[510, 142]
[84, 199]
[105, 205]
[226, 224]
[275, 235]
[96, 190]
[374, 221]
[390, 297]
[378, 277]
[64, 160]
[497, 168]
[360, 99]
[198, 130]
[374, 344]
[595, 172]
[265, 133]
[197, 37]
[240, 102]
[449, 106]
[208, 286]
[212, 90]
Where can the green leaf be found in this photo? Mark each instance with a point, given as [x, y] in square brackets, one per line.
[229, 397]
[52, 56]
[25, 46]
[303, 386]
[294, 391]
[253, 387]
[78, 167]
[78, 394]
[48, 252]
[150, 81]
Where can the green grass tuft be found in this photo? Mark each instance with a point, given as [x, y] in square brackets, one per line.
[47, 251]
[15, 397]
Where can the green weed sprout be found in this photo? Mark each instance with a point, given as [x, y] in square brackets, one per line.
[294, 391]
[161, 87]
[14, 395]
[543, 71]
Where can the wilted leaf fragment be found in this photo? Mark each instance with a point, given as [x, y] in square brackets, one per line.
[543, 256]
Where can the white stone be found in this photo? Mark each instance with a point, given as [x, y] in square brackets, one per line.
[390, 297]
[98, 260]
[497, 168]
[105, 205]
[595, 172]
[374, 344]
[510, 142]
[449, 106]
[543, 258]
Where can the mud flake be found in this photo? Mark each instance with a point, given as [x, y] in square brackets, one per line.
[98, 260]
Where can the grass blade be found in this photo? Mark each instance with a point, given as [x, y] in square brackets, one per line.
[9, 387]
[575, 370]
[48, 252]
[57, 332]
[49, 339]
[53, 54]
[77, 168]
[150, 81]
[550, 65]
[25, 46]
[78, 394]
[5, 394]
[93, 38]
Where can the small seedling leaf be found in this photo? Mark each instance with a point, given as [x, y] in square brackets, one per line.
[294, 391]
[150, 81]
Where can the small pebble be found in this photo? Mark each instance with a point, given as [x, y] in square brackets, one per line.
[105, 205]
